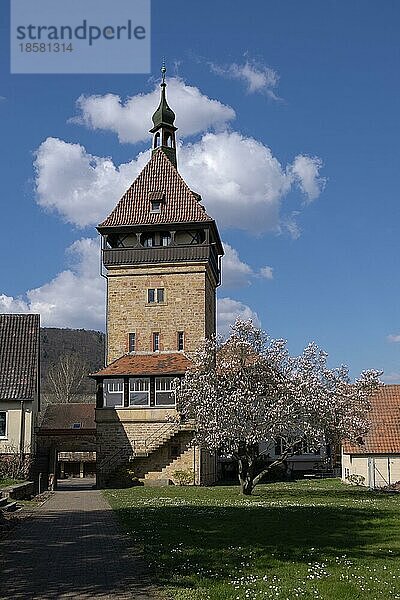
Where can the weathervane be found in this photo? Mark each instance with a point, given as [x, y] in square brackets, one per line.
[163, 70]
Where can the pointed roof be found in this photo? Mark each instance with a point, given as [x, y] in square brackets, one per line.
[157, 363]
[19, 356]
[164, 115]
[179, 204]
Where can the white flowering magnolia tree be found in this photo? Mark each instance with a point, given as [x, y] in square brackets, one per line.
[249, 390]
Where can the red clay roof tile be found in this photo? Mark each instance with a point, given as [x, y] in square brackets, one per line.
[159, 175]
[174, 363]
[384, 434]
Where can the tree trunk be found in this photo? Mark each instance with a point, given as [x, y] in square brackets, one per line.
[246, 475]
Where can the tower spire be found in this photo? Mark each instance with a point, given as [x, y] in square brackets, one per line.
[163, 129]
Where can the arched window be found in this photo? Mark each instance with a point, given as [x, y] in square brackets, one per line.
[168, 140]
[157, 140]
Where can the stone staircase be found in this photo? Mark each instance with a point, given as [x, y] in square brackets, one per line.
[164, 476]
[143, 448]
[7, 505]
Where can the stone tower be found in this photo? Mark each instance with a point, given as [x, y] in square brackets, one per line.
[161, 252]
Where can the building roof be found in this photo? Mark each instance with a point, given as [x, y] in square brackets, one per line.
[164, 114]
[180, 204]
[65, 416]
[19, 356]
[384, 434]
[162, 363]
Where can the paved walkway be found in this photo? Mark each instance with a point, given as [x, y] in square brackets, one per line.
[72, 547]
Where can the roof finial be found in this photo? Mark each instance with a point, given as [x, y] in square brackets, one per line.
[163, 71]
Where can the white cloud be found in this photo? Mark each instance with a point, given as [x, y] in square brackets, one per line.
[235, 273]
[305, 170]
[242, 183]
[393, 337]
[131, 119]
[267, 272]
[256, 76]
[74, 298]
[228, 310]
[79, 186]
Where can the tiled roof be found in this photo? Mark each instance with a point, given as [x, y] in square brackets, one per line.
[19, 351]
[159, 175]
[384, 434]
[174, 363]
[63, 416]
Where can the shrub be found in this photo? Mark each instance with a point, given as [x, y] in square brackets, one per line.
[183, 477]
[356, 479]
[14, 465]
[122, 477]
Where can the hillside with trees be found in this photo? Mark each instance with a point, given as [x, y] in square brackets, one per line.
[67, 356]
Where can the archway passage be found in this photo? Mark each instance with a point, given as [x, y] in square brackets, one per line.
[66, 444]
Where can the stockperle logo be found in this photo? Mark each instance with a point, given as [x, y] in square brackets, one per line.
[80, 36]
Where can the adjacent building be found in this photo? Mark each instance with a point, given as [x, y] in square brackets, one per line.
[375, 462]
[161, 252]
[66, 442]
[19, 383]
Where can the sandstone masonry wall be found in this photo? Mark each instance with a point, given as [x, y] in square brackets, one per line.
[189, 306]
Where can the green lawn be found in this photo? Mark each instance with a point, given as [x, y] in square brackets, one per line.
[319, 540]
[6, 482]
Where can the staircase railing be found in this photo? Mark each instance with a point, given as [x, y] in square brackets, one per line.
[160, 432]
[167, 429]
[112, 459]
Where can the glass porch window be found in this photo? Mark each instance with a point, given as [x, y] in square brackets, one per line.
[165, 395]
[139, 391]
[113, 392]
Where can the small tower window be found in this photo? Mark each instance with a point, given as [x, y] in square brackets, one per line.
[157, 140]
[155, 295]
[156, 341]
[132, 342]
[181, 340]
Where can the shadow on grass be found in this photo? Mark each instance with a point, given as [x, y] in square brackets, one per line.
[185, 542]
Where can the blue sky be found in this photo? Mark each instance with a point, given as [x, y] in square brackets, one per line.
[315, 80]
